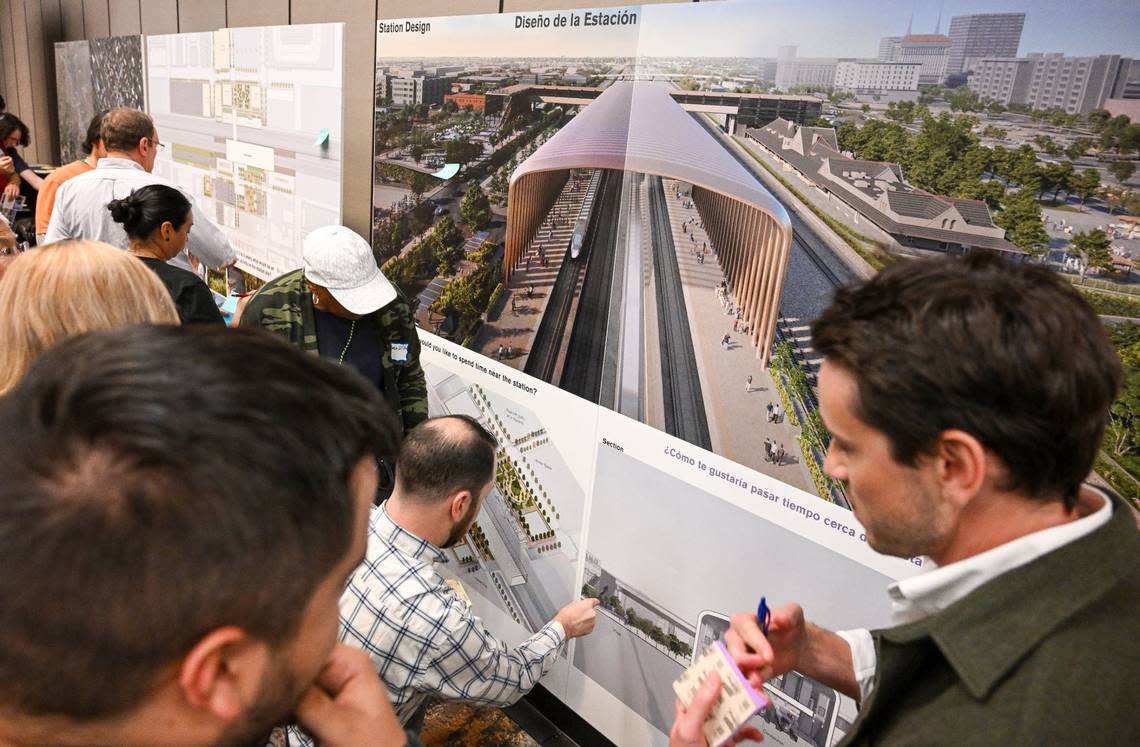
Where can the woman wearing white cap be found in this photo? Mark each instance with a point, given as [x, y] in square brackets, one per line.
[341, 307]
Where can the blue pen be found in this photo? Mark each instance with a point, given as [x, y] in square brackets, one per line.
[764, 616]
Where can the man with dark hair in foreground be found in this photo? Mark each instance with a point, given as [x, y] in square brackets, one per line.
[966, 401]
[421, 635]
[146, 603]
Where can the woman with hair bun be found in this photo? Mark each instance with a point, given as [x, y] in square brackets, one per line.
[157, 219]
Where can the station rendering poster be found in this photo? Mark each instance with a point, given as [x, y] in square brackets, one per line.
[606, 285]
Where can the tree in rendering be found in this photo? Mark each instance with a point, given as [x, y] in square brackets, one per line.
[418, 184]
[475, 209]
[1122, 170]
[1086, 184]
[1060, 177]
[462, 152]
[1021, 220]
[1078, 148]
[1094, 249]
[1097, 119]
[963, 99]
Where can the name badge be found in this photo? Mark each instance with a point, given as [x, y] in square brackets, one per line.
[399, 352]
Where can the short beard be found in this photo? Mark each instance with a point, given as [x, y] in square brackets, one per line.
[918, 533]
[277, 699]
[461, 528]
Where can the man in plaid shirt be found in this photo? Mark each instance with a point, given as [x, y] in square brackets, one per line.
[421, 636]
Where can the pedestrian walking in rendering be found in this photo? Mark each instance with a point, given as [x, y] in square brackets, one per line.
[769, 408]
[530, 291]
[780, 455]
[777, 413]
[725, 340]
[499, 353]
[767, 450]
[748, 383]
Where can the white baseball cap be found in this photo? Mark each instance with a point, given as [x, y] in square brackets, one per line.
[339, 259]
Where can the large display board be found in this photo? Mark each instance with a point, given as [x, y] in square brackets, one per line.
[612, 189]
[92, 76]
[253, 123]
[671, 537]
[590, 310]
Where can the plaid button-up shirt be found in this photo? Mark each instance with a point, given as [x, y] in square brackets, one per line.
[423, 638]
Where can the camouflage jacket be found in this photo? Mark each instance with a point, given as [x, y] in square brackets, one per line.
[285, 306]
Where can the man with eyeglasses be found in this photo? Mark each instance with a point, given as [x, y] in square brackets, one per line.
[132, 144]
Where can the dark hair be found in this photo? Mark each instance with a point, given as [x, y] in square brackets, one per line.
[145, 209]
[123, 128]
[157, 483]
[94, 132]
[444, 455]
[10, 122]
[1007, 352]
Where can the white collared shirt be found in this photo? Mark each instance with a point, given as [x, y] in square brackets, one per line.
[923, 595]
[81, 212]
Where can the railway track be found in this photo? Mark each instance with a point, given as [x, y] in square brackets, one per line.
[543, 358]
[685, 415]
[582, 373]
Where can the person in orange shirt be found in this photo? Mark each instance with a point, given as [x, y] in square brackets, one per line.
[93, 147]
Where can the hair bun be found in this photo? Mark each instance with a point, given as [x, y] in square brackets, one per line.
[126, 210]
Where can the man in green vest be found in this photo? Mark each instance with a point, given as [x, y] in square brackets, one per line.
[966, 401]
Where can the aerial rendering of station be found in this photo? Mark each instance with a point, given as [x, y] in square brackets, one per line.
[634, 209]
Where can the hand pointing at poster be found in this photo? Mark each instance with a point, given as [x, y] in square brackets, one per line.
[577, 618]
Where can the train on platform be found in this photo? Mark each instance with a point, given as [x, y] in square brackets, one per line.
[578, 238]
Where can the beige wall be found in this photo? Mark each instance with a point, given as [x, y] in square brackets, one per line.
[30, 28]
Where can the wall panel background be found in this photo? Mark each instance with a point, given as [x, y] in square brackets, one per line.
[258, 12]
[96, 19]
[201, 15]
[422, 8]
[24, 64]
[71, 12]
[126, 17]
[359, 77]
[159, 16]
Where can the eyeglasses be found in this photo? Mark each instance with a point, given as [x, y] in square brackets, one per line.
[158, 145]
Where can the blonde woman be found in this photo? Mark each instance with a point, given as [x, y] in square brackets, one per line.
[70, 287]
